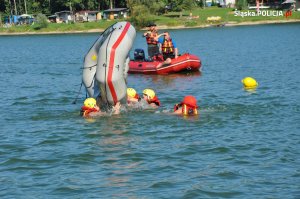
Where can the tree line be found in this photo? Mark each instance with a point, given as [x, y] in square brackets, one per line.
[18, 7]
[142, 12]
[47, 7]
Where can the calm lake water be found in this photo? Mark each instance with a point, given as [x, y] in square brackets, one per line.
[243, 145]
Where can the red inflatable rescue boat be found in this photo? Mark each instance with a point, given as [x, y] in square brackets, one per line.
[185, 62]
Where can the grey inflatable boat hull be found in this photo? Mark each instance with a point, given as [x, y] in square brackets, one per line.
[107, 62]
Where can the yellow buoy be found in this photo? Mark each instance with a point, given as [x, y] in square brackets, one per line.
[249, 83]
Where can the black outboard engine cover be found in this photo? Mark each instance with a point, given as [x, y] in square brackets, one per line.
[139, 55]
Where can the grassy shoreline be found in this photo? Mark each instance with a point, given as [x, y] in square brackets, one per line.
[171, 20]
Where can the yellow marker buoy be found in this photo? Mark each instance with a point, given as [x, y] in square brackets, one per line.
[249, 83]
[94, 57]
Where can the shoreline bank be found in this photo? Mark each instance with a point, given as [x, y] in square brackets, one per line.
[160, 27]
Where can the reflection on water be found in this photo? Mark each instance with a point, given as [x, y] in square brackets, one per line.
[168, 80]
[250, 90]
[118, 159]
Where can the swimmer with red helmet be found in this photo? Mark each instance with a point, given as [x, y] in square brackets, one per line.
[150, 97]
[188, 106]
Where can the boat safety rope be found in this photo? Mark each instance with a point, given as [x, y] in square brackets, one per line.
[89, 67]
[74, 102]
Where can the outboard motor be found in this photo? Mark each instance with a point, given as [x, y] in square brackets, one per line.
[139, 55]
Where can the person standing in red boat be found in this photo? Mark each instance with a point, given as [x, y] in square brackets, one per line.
[151, 40]
[168, 48]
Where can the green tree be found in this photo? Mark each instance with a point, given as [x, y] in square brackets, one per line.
[188, 5]
[7, 7]
[140, 16]
[52, 6]
[241, 4]
[154, 6]
[181, 5]
[41, 21]
[2, 5]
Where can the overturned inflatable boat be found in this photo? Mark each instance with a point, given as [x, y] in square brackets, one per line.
[106, 64]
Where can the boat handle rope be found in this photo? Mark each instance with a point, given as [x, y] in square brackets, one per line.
[89, 67]
[74, 102]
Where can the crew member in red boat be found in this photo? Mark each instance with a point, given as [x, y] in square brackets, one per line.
[188, 106]
[168, 48]
[150, 97]
[151, 40]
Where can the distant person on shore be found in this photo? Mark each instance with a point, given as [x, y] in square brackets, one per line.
[168, 48]
[151, 40]
[150, 97]
[187, 107]
[294, 8]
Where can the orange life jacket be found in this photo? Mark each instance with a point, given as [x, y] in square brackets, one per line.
[137, 96]
[155, 100]
[186, 109]
[150, 38]
[85, 111]
[167, 46]
[189, 110]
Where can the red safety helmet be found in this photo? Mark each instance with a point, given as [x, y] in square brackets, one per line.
[190, 101]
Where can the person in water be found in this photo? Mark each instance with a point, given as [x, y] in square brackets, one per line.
[187, 107]
[89, 106]
[132, 96]
[168, 48]
[151, 40]
[150, 97]
[91, 109]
